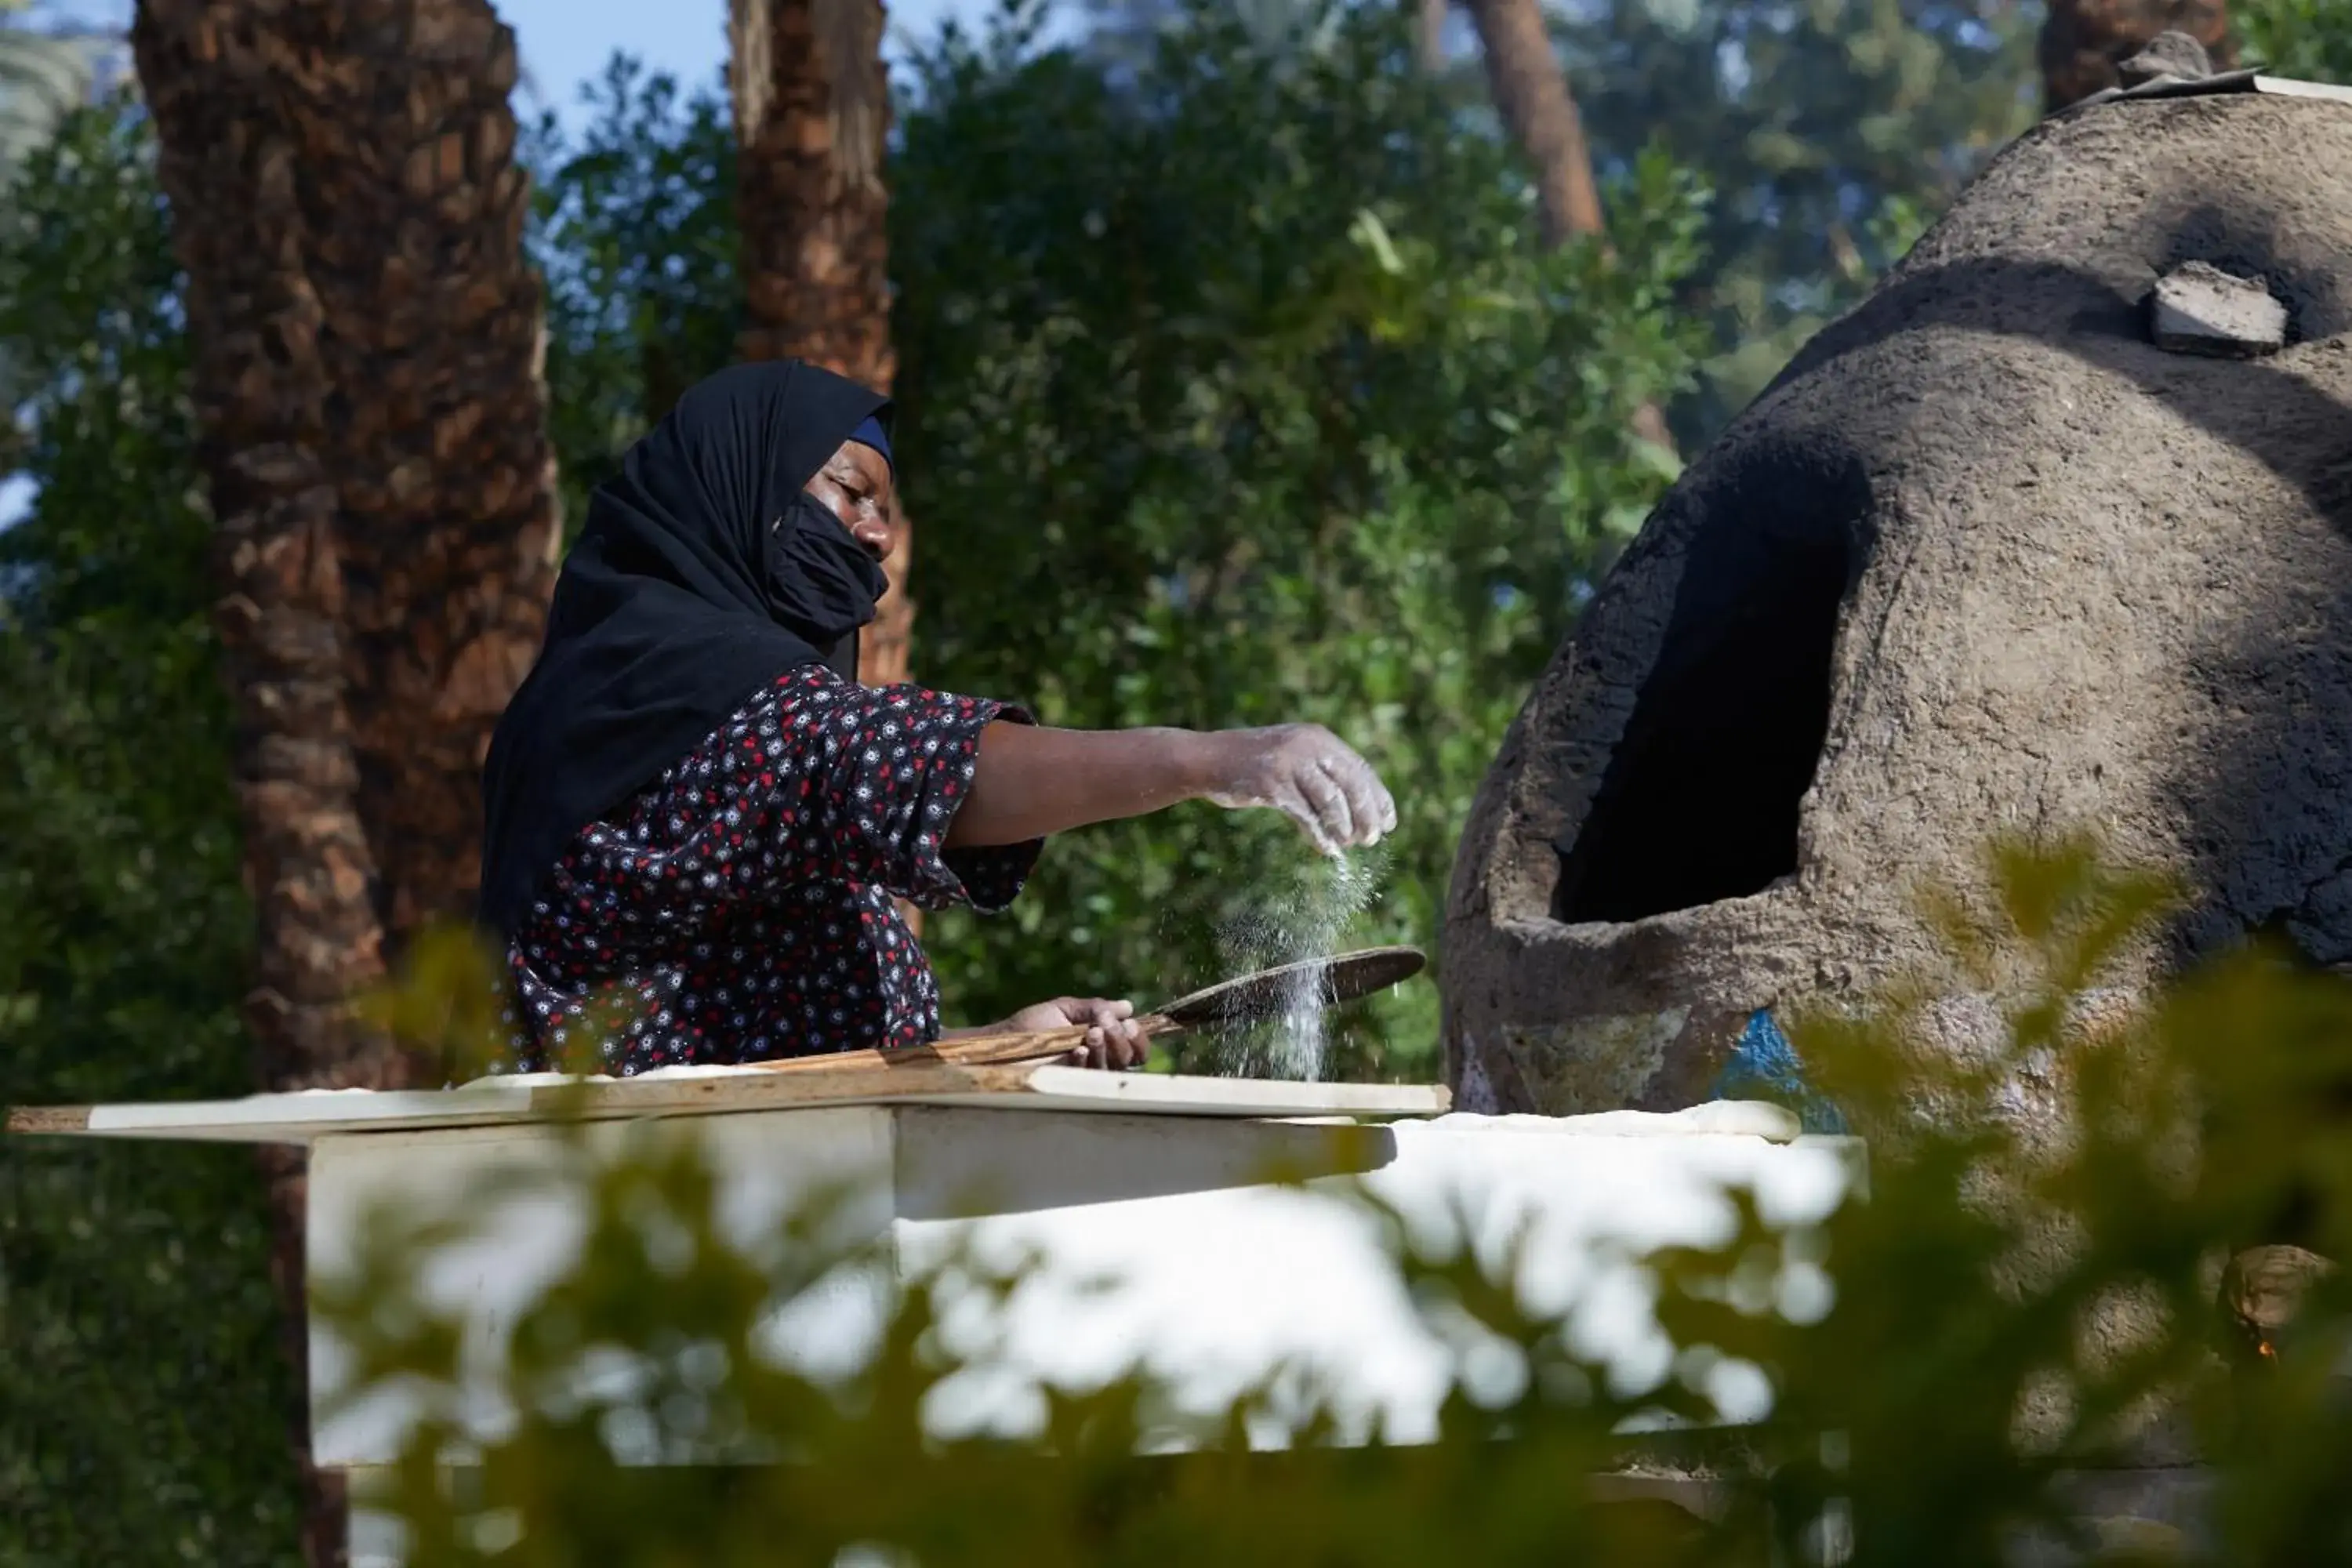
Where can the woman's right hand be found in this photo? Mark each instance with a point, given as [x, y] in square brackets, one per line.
[1307, 774]
[1114, 1037]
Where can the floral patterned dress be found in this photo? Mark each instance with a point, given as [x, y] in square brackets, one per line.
[739, 909]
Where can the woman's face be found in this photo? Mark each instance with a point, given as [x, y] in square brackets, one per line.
[855, 485]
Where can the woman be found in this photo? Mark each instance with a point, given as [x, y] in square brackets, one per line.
[693, 804]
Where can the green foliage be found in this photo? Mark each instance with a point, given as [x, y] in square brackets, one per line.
[1831, 133]
[2310, 40]
[1235, 390]
[44, 78]
[634, 230]
[2003, 1307]
[705, 1385]
[143, 1394]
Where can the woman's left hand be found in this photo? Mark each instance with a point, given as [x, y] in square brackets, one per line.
[1113, 1039]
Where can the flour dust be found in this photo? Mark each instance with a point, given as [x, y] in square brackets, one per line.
[1300, 923]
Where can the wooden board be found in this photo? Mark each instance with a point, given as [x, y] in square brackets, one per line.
[49, 1119]
[1035, 1046]
[299, 1118]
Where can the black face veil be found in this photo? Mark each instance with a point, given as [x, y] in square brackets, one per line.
[702, 574]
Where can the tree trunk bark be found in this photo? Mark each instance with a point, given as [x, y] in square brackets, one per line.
[366, 377]
[811, 116]
[2083, 41]
[1530, 93]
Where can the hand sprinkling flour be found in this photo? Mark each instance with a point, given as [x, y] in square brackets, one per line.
[1310, 775]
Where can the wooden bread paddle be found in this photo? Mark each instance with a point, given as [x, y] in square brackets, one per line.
[1230, 1003]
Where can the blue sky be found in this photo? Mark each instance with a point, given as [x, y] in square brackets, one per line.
[567, 42]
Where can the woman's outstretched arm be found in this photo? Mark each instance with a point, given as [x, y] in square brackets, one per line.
[1031, 782]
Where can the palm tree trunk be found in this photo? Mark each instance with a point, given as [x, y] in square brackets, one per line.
[2083, 41]
[812, 117]
[1530, 93]
[348, 209]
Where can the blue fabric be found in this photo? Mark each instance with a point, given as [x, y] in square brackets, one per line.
[1764, 1066]
[871, 434]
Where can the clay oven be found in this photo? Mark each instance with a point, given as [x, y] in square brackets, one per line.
[1985, 558]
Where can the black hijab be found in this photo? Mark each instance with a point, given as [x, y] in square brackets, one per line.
[685, 594]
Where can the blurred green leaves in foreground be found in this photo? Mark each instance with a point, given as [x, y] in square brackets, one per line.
[2021, 1296]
